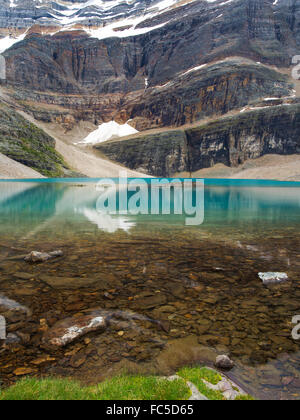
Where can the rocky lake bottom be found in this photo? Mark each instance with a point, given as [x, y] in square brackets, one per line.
[170, 295]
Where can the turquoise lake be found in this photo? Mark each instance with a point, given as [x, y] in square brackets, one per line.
[201, 281]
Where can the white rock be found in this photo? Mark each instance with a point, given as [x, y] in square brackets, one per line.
[70, 329]
[224, 386]
[36, 256]
[269, 278]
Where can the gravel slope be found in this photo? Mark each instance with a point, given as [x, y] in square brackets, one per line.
[82, 159]
[10, 169]
[276, 167]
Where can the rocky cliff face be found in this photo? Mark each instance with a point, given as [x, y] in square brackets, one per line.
[209, 90]
[157, 48]
[230, 141]
[191, 96]
[234, 140]
[160, 155]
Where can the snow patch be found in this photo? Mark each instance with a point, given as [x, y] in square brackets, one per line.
[8, 42]
[114, 30]
[108, 131]
[106, 222]
[194, 69]
[165, 4]
[71, 14]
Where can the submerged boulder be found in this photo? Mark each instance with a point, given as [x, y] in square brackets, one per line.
[68, 330]
[224, 362]
[273, 278]
[12, 310]
[36, 257]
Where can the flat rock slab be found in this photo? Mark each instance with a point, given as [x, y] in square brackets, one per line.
[273, 278]
[152, 301]
[68, 282]
[70, 329]
[23, 276]
[24, 371]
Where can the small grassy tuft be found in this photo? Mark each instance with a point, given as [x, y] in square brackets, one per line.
[196, 376]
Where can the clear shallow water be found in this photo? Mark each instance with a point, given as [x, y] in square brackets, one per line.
[205, 276]
[228, 203]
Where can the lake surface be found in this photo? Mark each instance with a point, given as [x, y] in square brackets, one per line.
[200, 282]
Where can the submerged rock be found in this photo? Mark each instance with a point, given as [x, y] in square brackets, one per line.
[12, 310]
[12, 339]
[224, 362]
[271, 278]
[152, 301]
[70, 329]
[24, 371]
[35, 256]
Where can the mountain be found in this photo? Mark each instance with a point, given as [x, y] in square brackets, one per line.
[159, 65]
[25, 13]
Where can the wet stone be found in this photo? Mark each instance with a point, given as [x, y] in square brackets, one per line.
[224, 362]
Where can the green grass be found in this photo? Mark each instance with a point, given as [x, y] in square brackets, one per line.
[196, 376]
[118, 388]
[47, 389]
[122, 388]
[143, 388]
[244, 398]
